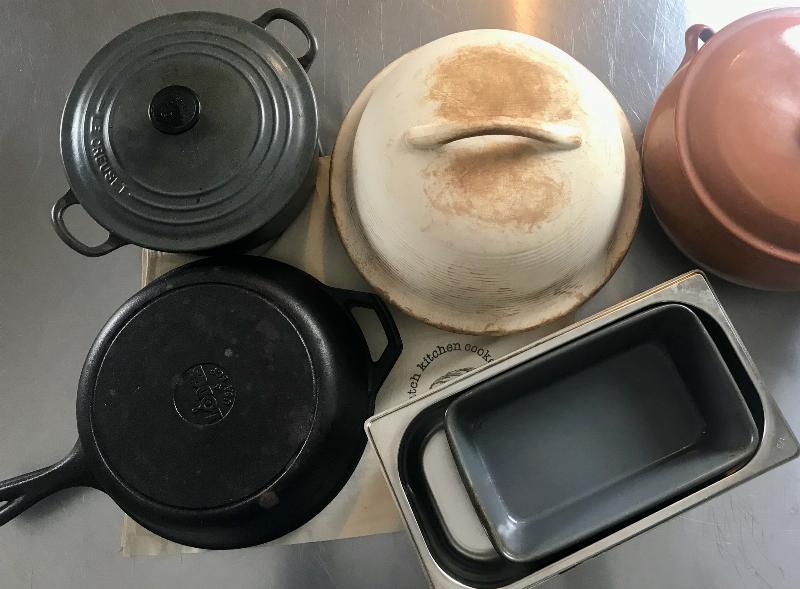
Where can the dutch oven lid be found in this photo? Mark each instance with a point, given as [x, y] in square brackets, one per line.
[187, 131]
[737, 123]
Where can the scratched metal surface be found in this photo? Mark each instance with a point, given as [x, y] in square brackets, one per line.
[52, 302]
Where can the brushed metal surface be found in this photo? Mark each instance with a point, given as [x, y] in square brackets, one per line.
[777, 444]
[53, 301]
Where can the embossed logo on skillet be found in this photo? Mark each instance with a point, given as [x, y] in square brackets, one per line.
[203, 394]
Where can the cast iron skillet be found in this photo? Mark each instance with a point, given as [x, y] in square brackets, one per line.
[223, 405]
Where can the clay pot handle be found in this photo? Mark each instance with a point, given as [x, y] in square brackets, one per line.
[695, 34]
[554, 135]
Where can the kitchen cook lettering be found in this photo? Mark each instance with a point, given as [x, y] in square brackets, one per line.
[97, 151]
[440, 350]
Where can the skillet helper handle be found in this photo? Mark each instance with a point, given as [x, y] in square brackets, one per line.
[21, 492]
[559, 136]
[695, 34]
[92, 251]
[380, 368]
[289, 16]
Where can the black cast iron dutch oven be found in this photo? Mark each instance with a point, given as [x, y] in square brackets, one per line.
[191, 132]
[223, 405]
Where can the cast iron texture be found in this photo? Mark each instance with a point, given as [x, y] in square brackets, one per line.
[191, 132]
[222, 406]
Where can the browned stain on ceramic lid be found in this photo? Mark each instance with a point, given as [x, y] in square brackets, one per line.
[503, 185]
[509, 183]
[483, 81]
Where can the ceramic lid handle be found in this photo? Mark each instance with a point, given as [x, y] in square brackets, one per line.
[554, 135]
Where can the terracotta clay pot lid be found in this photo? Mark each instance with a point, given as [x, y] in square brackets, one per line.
[738, 129]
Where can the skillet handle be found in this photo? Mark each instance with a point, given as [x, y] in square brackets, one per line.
[21, 492]
[380, 368]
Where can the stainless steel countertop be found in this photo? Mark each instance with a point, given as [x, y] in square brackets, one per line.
[53, 302]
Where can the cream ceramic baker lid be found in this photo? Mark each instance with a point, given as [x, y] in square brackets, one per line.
[486, 183]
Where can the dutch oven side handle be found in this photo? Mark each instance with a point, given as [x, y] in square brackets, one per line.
[289, 16]
[19, 493]
[92, 251]
[380, 368]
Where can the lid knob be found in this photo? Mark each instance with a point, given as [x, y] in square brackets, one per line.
[174, 109]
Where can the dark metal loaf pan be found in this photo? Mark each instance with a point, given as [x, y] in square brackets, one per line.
[568, 445]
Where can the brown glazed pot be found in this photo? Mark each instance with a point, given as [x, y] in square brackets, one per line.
[721, 151]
